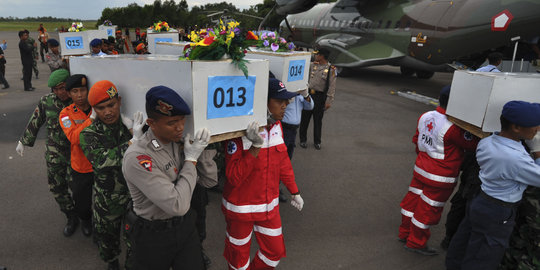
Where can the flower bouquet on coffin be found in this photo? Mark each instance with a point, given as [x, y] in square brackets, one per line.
[76, 27]
[218, 43]
[160, 27]
[107, 23]
[271, 41]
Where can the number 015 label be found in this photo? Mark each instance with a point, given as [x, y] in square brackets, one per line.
[74, 42]
[230, 96]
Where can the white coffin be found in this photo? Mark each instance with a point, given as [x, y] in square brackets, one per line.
[197, 82]
[110, 29]
[171, 48]
[478, 97]
[153, 38]
[78, 43]
[291, 68]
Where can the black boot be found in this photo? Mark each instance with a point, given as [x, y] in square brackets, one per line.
[86, 227]
[206, 260]
[6, 86]
[71, 226]
[114, 265]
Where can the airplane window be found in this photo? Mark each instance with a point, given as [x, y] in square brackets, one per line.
[388, 23]
[398, 24]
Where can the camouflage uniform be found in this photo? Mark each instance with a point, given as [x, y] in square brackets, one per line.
[31, 41]
[524, 250]
[57, 151]
[119, 45]
[104, 146]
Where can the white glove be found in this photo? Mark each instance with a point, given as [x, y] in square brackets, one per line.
[297, 202]
[534, 144]
[192, 150]
[138, 124]
[126, 121]
[252, 133]
[20, 148]
[93, 115]
[304, 93]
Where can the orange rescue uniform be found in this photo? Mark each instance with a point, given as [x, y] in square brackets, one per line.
[73, 120]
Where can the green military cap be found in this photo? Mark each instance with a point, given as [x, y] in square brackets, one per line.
[57, 77]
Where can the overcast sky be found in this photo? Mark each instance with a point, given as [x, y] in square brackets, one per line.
[86, 9]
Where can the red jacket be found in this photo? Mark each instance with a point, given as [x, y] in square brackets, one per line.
[440, 146]
[252, 189]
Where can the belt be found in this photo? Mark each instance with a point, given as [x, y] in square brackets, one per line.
[497, 201]
[289, 126]
[160, 225]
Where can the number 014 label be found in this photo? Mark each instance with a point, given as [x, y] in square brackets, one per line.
[230, 96]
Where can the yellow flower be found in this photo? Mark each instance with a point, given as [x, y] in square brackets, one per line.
[233, 25]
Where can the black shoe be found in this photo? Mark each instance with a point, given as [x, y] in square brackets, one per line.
[71, 226]
[114, 265]
[30, 89]
[303, 144]
[427, 251]
[445, 243]
[206, 260]
[86, 227]
[402, 240]
[37, 77]
[5, 87]
[282, 197]
[318, 146]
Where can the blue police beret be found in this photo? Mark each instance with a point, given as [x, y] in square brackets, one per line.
[277, 90]
[445, 91]
[53, 42]
[522, 113]
[164, 100]
[95, 42]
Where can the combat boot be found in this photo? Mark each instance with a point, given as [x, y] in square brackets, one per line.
[71, 226]
[86, 227]
[114, 265]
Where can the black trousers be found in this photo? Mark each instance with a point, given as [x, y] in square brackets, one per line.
[43, 47]
[482, 236]
[81, 187]
[319, 100]
[199, 201]
[289, 136]
[177, 246]
[3, 74]
[27, 75]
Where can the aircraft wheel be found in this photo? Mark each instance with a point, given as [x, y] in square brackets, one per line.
[405, 71]
[422, 74]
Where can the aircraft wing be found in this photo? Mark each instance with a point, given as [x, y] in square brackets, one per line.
[351, 51]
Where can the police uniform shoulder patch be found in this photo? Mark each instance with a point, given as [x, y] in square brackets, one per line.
[155, 143]
[231, 148]
[66, 122]
[467, 136]
[145, 161]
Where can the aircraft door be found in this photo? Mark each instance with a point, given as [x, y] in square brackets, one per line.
[424, 30]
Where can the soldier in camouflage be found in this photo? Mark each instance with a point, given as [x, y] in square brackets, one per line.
[32, 42]
[524, 250]
[119, 45]
[57, 151]
[104, 143]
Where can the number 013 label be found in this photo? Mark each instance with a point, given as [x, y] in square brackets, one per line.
[230, 96]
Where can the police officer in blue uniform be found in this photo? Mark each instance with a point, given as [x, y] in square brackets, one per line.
[506, 169]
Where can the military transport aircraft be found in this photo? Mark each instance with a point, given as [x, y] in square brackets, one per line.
[420, 36]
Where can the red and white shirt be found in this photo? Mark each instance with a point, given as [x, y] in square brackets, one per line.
[251, 192]
[440, 146]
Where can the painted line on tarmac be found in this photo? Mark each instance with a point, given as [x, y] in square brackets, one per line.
[417, 97]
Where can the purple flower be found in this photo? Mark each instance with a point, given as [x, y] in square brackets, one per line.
[236, 30]
[274, 47]
[264, 36]
[266, 43]
[282, 40]
[223, 32]
[291, 46]
[272, 35]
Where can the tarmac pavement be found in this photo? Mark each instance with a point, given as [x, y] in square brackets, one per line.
[352, 187]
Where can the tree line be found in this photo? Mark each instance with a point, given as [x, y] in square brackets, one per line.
[37, 19]
[179, 14]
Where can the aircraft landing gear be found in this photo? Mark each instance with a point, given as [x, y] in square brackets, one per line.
[422, 74]
[405, 71]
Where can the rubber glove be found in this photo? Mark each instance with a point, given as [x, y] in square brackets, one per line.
[126, 121]
[20, 148]
[297, 202]
[252, 133]
[138, 124]
[534, 144]
[192, 150]
[93, 115]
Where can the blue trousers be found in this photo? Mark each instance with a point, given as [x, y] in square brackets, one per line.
[482, 237]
